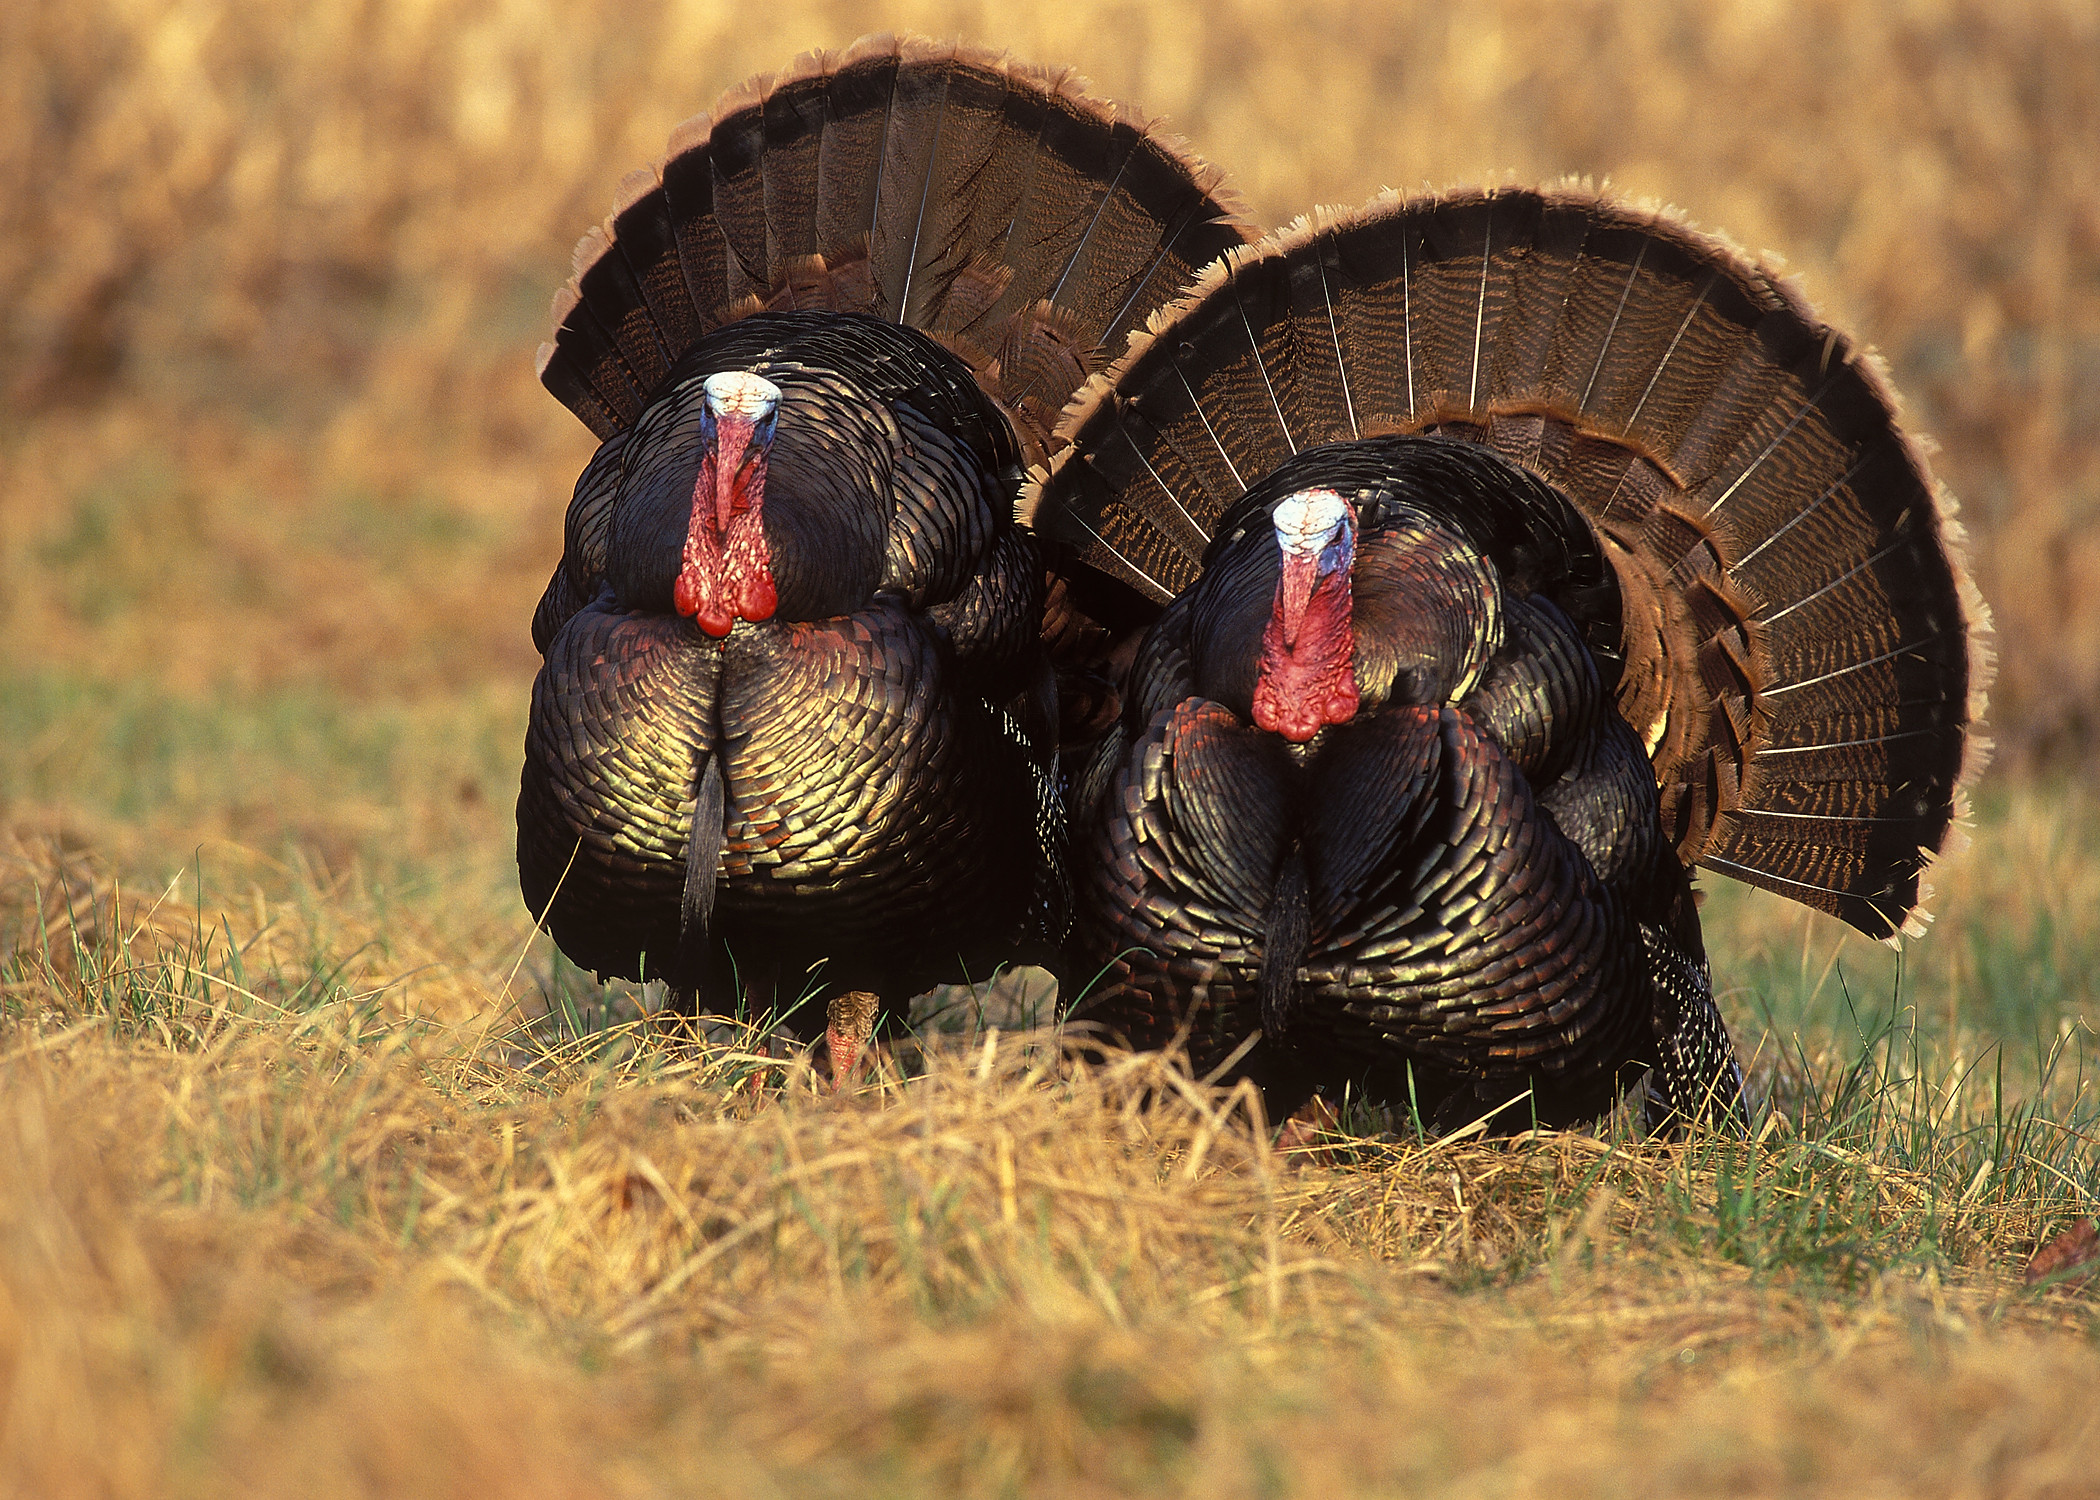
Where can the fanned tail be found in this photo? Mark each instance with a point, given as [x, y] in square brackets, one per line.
[1022, 222]
[1802, 649]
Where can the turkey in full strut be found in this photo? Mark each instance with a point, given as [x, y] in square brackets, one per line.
[1518, 551]
[795, 707]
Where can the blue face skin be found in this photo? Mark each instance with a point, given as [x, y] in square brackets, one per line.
[1337, 554]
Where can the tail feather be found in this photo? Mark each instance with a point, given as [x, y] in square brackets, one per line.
[702, 245]
[1455, 261]
[1221, 400]
[1532, 298]
[620, 303]
[1050, 221]
[1370, 263]
[855, 91]
[1309, 376]
[898, 242]
[1134, 280]
[1263, 312]
[789, 158]
[586, 368]
[1800, 644]
[999, 208]
[735, 150]
[1147, 235]
[964, 205]
[647, 240]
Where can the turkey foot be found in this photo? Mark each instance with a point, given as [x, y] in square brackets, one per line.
[849, 1021]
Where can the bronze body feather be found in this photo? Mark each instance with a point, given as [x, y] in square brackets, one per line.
[795, 708]
[1731, 631]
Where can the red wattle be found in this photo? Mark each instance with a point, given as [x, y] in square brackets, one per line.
[1307, 680]
[726, 572]
[695, 595]
[756, 597]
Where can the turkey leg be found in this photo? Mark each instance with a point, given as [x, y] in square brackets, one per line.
[849, 1022]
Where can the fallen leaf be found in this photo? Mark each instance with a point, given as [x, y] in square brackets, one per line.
[1305, 1134]
[2076, 1247]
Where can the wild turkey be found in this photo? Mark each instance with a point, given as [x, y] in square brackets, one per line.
[794, 708]
[1519, 551]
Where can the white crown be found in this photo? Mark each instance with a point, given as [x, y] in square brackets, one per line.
[1307, 521]
[739, 393]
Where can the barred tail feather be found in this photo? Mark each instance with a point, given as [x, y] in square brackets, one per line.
[998, 208]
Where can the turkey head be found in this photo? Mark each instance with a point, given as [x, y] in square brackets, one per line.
[725, 572]
[1306, 678]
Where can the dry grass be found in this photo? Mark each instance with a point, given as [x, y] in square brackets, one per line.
[296, 1204]
[292, 1201]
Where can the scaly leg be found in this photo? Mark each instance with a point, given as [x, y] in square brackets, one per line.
[849, 1022]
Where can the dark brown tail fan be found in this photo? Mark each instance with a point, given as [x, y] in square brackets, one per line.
[1001, 209]
[1802, 652]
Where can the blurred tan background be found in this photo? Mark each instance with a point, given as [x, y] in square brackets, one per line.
[272, 275]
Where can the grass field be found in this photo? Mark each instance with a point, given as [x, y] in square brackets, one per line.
[296, 1195]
